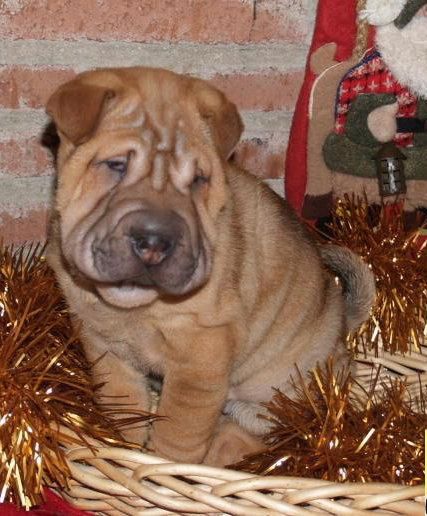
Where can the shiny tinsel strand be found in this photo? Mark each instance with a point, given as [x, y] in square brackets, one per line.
[398, 259]
[45, 383]
[325, 431]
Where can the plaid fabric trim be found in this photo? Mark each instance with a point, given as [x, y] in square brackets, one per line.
[371, 75]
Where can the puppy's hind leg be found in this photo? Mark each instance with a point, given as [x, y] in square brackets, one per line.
[230, 444]
[249, 415]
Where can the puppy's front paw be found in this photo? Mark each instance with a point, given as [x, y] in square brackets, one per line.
[176, 449]
[230, 444]
[137, 435]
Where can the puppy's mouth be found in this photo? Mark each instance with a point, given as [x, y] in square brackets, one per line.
[144, 290]
[126, 296]
[145, 255]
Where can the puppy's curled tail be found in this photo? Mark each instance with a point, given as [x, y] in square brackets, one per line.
[357, 280]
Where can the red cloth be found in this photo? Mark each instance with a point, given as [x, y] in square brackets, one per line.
[336, 22]
[54, 506]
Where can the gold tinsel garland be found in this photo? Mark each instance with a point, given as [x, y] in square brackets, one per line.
[325, 431]
[398, 259]
[45, 383]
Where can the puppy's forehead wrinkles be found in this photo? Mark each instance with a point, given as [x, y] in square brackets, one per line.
[183, 169]
[163, 119]
[173, 161]
[166, 131]
[171, 157]
[127, 112]
[159, 172]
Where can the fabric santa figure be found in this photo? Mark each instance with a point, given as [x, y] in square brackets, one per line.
[362, 110]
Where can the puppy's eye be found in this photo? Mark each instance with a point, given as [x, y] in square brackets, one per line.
[117, 165]
[200, 180]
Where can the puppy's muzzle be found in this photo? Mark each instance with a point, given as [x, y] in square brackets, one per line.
[146, 248]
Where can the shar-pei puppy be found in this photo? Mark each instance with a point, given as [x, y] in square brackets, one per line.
[178, 264]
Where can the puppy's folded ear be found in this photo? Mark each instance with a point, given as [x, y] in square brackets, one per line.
[221, 116]
[76, 107]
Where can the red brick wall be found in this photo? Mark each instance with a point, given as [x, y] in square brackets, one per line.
[254, 50]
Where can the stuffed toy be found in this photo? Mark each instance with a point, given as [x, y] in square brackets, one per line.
[366, 114]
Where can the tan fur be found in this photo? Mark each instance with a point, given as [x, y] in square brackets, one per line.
[265, 301]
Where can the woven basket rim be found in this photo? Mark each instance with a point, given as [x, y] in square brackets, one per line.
[122, 481]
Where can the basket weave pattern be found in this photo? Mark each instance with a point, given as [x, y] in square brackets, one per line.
[118, 481]
[137, 483]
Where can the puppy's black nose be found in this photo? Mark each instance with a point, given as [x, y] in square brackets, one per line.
[152, 248]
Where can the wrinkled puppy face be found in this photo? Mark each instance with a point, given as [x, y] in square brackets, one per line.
[141, 180]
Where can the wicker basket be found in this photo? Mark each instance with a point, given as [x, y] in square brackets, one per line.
[119, 481]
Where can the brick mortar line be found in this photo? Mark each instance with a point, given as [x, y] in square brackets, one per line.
[18, 195]
[201, 59]
[24, 123]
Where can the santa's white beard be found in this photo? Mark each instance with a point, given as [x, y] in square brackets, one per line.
[405, 53]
